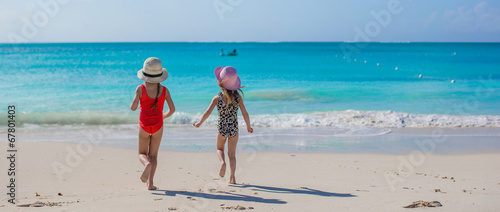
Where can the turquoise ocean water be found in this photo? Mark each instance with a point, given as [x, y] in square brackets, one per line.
[289, 86]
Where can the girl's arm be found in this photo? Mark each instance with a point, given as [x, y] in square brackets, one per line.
[245, 116]
[137, 97]
[170, 103]
[208, 112]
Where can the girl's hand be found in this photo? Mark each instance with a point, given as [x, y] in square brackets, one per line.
[197, 124]
[165, 115]
[250, 129]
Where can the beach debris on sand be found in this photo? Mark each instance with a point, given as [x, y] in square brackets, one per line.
[41, 204]
[172, 209]
[238, 207]
[37, 194]
[423, 204]
[60, 194]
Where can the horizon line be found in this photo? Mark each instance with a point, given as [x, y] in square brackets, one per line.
[102, 42]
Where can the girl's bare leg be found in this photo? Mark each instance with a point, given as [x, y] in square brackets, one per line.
[231, 153]
[153, 155]
[144, 140]
[221, 142]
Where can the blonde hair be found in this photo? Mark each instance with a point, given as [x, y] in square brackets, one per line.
[230, 95]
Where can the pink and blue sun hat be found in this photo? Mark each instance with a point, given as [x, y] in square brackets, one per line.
[228, 76]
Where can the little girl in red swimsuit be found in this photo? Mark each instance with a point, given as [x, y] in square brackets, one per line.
[151, 97]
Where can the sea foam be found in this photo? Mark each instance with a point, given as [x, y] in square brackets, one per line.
[347, 118]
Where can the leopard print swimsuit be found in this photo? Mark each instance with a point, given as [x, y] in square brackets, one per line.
[228, 117]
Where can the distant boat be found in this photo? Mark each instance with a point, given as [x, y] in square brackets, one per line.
[229, 53]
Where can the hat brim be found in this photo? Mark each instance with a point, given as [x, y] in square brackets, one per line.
[163, 77]
[234, 86]
[217, 73]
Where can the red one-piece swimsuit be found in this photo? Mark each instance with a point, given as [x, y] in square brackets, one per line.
[151, 119]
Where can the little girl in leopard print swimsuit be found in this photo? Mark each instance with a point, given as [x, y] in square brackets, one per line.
[228, 101]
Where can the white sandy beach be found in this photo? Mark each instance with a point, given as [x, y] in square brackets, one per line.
[107, 179]
[338, 106]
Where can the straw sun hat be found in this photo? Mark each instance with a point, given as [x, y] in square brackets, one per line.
[152, 71]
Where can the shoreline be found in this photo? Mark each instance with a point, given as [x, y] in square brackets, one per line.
[108, 178]
[300, 140]
[335, 118]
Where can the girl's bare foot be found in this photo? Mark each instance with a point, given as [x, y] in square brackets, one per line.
[222, 171]
[232, 180]
[145, 173]
[152, 187]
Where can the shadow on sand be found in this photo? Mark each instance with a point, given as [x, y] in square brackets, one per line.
[301, 190]
[220, 196]
[246, 198]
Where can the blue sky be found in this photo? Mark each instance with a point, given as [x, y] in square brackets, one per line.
[249, 20]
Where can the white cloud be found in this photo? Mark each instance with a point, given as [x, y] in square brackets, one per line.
[481, 17]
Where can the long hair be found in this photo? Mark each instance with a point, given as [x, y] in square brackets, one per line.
[156, 100]
[230, 95]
